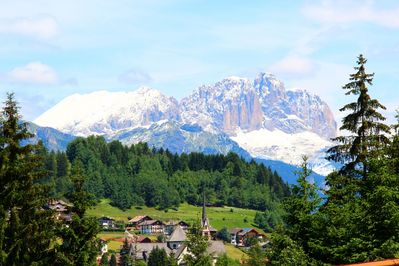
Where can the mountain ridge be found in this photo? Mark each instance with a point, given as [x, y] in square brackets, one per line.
[226, 108]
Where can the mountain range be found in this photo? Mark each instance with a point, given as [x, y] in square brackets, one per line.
[256, 118]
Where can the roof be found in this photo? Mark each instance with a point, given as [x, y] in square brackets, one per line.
[60, 202]
[179, 250]
[140, 239]
[139, 218]
[183, 223]
[151, 222]
[216, 248]
[178, 235]
[235, 230]
[247, 230]
[140, 248]
[106, 218]
[389, 262]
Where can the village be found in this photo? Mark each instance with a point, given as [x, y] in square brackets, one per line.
[142, 234]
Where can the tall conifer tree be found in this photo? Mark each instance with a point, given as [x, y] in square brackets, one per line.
[26, 230]
[367, 134]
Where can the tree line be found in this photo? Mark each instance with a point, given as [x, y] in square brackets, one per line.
[141, 175]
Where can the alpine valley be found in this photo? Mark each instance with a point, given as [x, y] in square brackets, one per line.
[256, 118]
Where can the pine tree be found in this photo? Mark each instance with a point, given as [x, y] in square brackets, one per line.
[126, 259]
[158, 257]
[26, 230]
[301, 206]
[368, 133]
[112, 261]
[79, 240]
[104, 260]
[256, 256]
[381, 204]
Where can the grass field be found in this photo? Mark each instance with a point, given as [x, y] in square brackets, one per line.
[234, 252]
[219, 217]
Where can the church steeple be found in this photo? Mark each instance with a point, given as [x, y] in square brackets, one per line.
[204, 220]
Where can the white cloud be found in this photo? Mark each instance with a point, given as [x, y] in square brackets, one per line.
[350, 11]
[41, 28]
[135, 76]
[34, 72]
[293, 65]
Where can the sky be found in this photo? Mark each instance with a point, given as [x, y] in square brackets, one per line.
[52, 49]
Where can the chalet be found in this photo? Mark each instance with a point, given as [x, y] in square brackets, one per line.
[135, 221]
[61, 209]
[233, 235]
[242, 236]
[107, 222]
[152, 227]
[171, 225]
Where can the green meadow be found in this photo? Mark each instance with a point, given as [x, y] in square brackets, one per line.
[219, 217]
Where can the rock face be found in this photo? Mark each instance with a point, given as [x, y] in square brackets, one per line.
[235, 104]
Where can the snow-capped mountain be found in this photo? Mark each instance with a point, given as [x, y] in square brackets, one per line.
[259, 115]
[107, 113]
[236, 104]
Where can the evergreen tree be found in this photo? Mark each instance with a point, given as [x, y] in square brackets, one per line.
[104, 260]
[256, 256]
[301, 206]
[26, 230]
[126, 259]
[158, 257]
[79, 240]
[381, 203]
[285, 251]
[112, 261]
[224, 235]
[368, 133]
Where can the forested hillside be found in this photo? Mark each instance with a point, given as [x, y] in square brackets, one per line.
[140, 175]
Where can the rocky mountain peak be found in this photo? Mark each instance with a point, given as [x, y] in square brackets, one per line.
[235, 104]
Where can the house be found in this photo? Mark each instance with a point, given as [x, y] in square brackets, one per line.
[61, 209]
[107, 222]
[152, 227]
[135, 221]
[141, 251]
[177, 238]
[242, 236]
[233, 235]
[171, 225]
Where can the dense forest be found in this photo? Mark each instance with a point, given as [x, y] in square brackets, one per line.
[140, 175]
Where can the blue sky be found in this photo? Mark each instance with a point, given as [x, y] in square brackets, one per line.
[51, 49]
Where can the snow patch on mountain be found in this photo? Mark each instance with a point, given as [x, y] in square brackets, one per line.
[107, 113]
[289, 148]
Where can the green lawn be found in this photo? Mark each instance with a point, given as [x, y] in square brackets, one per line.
[219, 217]
[234, 252]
